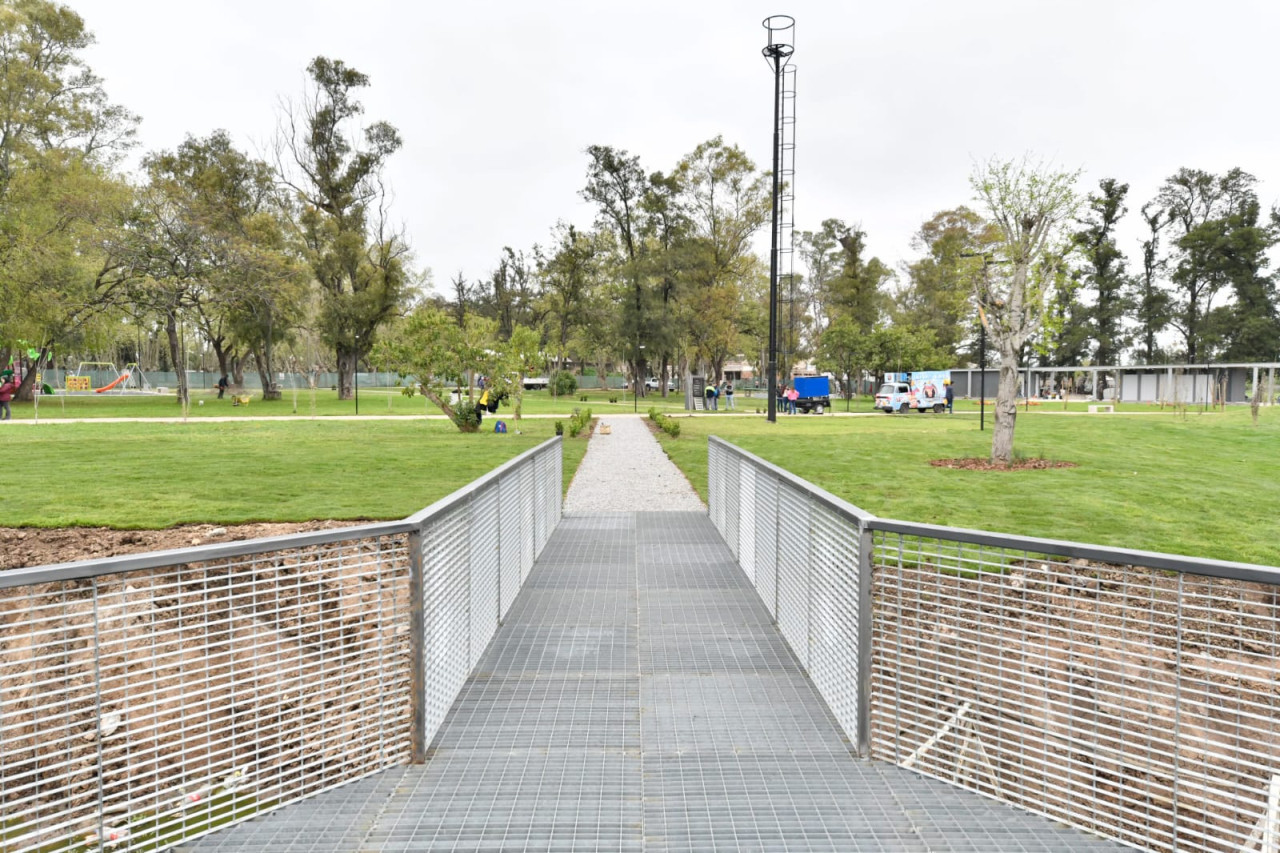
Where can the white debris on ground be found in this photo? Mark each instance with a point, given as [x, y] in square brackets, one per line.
[625, 470]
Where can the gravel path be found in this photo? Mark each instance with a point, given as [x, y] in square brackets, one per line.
[628, 472]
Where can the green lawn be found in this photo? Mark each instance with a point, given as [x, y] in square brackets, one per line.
[145, 475]
[322, 403]
[1204, 485]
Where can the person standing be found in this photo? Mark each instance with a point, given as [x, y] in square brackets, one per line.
[7, 389]
[951, 397]
[728, 394]
[222, 385]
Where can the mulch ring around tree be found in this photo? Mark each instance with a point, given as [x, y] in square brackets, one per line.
[975, 463]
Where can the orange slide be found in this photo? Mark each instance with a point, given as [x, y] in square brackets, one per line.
[113, 383]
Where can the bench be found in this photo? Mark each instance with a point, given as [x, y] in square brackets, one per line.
[1104, 408]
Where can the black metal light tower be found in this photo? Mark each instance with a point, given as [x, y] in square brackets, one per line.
[777, 52]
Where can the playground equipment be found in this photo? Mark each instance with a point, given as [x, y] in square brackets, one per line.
[131, 380]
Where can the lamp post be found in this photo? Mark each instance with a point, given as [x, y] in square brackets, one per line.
[777, 52]
[635, 397]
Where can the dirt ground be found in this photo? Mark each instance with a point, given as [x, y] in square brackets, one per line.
[34, 546]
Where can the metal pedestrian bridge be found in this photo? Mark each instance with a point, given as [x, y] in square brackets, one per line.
[638, 697]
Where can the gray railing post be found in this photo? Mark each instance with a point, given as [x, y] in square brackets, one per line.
[866, 615]
[417, 653]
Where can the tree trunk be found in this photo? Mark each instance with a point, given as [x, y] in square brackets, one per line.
[27, 388]
[262, 358]
[1006, 408]
[346, 372]
[447, 409]
[176, 356]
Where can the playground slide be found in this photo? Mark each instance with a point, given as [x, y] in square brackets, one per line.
[113, 383]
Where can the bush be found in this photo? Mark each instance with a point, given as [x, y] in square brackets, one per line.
[582, 398]
[579, 421]
[559, 427]
[611, 399]
[671, 427]
[467, 416]
[654, 414]
[563, 383]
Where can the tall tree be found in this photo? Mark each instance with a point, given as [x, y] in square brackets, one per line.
[727, 202]
[357, 258]
[1198, 207]
[1103, 275]
[1030, 203]
[1150, 301]
[568, 273]
[59, 137]
[938, 295]
[1253, 329]
[617, 185]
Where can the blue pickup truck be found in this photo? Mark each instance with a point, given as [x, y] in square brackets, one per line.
[815, 393]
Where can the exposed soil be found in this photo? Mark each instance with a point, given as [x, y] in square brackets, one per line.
[975, 463]
[35, 546]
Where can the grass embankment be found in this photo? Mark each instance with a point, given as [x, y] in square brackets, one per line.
[1203, 485]
[146, 476]
[321, 403]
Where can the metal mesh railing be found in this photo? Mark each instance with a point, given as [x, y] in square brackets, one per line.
[152, 698]
[801, 549]
[1132, 694]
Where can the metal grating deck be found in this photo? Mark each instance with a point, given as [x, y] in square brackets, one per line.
[639, 698]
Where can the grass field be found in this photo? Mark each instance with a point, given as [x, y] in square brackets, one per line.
[1203, 485]
[321, 403]
[146, 475]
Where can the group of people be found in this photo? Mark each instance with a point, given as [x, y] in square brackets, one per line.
[714, 392]
[787, 396]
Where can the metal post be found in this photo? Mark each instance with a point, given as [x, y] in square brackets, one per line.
[866, 617]
[417, 654]
[776, 53]
[982, 376]
[773, 243]
[355, 374]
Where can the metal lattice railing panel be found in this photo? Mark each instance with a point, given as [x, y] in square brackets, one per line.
[1137, 703]
[766, 547]
[747, 521]
[732, 487]
[140, 708]
[510, 547]
[833, 614]
[793, 570]
[484, 569]
[446, 612]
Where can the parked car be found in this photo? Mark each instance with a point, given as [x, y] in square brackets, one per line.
[652, 384]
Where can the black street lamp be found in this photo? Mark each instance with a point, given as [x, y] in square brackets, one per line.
[777, 52]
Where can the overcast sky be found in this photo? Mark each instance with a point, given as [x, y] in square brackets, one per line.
[497, 101]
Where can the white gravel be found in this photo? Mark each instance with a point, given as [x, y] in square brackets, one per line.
[627, 471]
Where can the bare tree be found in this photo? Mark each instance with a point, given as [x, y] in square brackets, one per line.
[1029, 202]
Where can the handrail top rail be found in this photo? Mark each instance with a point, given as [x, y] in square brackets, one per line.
[82, 569]
[1202, 566]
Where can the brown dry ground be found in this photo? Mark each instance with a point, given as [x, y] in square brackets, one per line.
[34, 546]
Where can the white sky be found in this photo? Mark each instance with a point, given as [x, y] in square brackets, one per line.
[497, 101]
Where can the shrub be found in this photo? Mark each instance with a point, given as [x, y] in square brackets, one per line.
[467, 416]
[653, 413]
[671, 427]
[563, 383]
[611, 399]
[559, 427]
[582, 398]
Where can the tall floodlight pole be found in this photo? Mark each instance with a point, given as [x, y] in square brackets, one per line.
[777, 52]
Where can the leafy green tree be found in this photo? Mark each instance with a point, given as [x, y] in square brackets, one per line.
[1252, 330]
[1202, 210]
[1029, 203]
[1150, 302]
[430, 347]
[519, 356]
[568, 274]
[357, 258]
[59, 137]
[1103, 275]
[938, 295]
[727, 201]
[617, 186]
